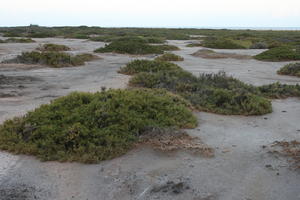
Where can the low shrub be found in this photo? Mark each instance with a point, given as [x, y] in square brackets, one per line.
[259, 45]
[216, 93]
[88, 127]
[19, 40]
[137, 66]
[50, 58]
[167, 47]
[130, 47]
[292, 69]
[282, 53]
[221, 43]
[194, 45]
[169, 57]
[278, 90]
[54, 47]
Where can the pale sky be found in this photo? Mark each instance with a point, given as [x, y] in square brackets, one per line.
[151, 13]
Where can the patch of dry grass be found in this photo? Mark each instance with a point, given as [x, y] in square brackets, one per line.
[173, 140]
[210, 54]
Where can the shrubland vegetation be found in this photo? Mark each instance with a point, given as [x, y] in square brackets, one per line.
[54, 47]
[169, 57]
[292, 69]
[282, 53]
[133, 46]
[17, 40]
[216, 93]
[244, 38]
[88, 127]
[221, 43]
[194, 45]
[51, 58]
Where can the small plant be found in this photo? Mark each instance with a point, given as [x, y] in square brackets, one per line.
[169, 57]
[292, 69]
[53, 47]
[52, 59]
[282, 53]
[89, 128]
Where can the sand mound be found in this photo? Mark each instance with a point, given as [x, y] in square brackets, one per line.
[210, 54]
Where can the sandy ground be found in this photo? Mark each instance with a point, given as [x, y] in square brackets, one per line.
[240, 170]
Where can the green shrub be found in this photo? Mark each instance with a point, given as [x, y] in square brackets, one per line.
[216, 93]
[292, 69]
[53, 59]
[278, 90]
[205, 94]
[221, 43]
[259, 45]
[12, 34]
[169, 57]
[54, 47]
[137, 66]
[130, 47]
[88, 127]
[19, 40]
[166, 47]
[283, 53]
[194, 45]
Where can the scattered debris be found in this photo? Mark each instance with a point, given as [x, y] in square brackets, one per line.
[291, 150]
[172, 139]
[170, 187]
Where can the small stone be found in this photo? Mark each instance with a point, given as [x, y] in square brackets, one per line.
[268, 166]
[265, 118]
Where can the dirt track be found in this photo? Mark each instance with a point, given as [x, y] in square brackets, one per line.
[241, 169]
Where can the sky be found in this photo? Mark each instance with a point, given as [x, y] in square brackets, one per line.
[151, 13]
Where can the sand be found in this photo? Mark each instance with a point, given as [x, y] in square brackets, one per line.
[240, 170]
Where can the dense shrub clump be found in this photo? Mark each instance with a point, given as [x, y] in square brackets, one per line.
[54, 47]
[216, 93]
[221, 43]
[292, 69]
[282, 53]
[169, 57]
[135, 46]
[88, 127]
[52, 59]
[137, 66]
[130, 47]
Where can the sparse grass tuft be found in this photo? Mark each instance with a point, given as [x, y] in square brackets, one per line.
[282, 53]
[169, 57]
[292, 69]
[54, 47]
[86, 127]
[52, 59]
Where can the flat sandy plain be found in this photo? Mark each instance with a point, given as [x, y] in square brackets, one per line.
[240, 170]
